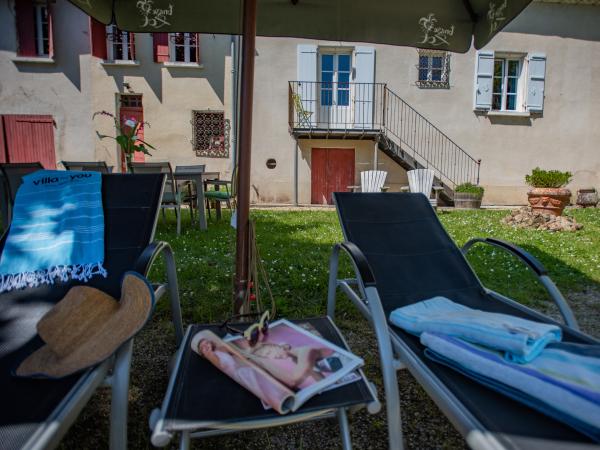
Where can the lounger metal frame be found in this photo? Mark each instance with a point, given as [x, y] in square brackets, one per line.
[113, 372]
[395, 354]
[162, 435]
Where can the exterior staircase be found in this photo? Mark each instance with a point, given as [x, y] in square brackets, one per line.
[401, 132]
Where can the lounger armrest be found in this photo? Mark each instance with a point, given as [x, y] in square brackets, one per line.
[533, 263]
[360, 262]
[150, 253]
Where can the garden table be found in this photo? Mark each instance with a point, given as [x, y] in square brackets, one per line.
[197, 175]
[201, 401]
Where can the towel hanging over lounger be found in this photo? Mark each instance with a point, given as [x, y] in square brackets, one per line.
[57, 231]
[521, 340]
[562, 382]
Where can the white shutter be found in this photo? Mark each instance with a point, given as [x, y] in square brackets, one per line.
[536, 76]
[484, 78]
[307, 77]
[364, 64]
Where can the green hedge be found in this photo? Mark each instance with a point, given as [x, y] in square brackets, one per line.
[469, 188]
[548, 178]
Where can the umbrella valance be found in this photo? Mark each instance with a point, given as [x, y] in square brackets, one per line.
[445, 25]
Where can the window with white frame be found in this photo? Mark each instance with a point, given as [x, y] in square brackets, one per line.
[42, 29]
[506, 93]
[120, 45]
[184, 47]
[433, 69]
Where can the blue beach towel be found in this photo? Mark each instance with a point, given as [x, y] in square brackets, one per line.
[521, 340]
[57, 231]
[563, 382]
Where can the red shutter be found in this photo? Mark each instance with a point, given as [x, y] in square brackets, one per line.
[161, 47]
[25, 16]
[30, 138]
[131, 46]
[98, 39]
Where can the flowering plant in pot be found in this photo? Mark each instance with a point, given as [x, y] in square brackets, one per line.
[468, 195]
[548, 193]
[127, 136]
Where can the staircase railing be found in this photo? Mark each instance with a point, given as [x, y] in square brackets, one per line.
[372, 107]
[427, 144]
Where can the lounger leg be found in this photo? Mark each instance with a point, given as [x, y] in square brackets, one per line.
[173, 293]
[333, 273]
[184, 442]
[119, 397]
[344, 429]
[388, 369]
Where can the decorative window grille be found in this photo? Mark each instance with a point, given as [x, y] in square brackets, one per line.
[210, 131]
[130, 100]
[42, 29]
[184, 47]
[120, 45]
[434, 69]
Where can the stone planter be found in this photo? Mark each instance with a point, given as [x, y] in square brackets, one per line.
[587, 198]
[549, 200]
[467, 200]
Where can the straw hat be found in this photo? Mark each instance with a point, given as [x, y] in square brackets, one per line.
[87, 326]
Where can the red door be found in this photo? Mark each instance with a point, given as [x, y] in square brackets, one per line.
[131, 107]
[28, 138]
[332, 170]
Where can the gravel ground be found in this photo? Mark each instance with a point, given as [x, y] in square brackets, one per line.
[425, 427]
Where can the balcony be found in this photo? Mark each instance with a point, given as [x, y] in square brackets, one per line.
[336, 109]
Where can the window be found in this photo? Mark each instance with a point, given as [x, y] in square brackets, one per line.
[184, 47]
[335, 79]
[210, 134]
[120, 45]
[505, 94]
[434, 69]
[42, 29]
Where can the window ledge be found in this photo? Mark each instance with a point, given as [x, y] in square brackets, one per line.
[183, 65]
[509, 113]
[120, 62]
[34, 59]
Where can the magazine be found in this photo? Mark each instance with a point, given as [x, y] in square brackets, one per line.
[288, 366]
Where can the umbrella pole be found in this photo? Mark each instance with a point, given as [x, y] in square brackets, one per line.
[244, 150]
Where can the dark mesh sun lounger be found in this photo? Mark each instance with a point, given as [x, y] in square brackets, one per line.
[28, 406]
[401, 255]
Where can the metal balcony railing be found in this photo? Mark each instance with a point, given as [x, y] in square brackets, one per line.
[373, 108]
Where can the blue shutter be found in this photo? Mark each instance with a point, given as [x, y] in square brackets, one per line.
[484, 80]
[536, 76]
[307, 77]
[364, 63]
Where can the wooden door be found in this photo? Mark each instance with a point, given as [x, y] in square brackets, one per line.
[332, 170]
[130, 106]
[28, 138]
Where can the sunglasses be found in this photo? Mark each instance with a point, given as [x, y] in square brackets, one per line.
[254, 331]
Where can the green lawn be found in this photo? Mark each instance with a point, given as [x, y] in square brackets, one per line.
[296, 246]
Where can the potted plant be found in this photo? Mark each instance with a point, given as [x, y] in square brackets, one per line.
[127, 136]
[548, 193]
[468, 195]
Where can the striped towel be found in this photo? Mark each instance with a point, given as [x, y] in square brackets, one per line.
[57, 231]
[521, 340]
[563, 382]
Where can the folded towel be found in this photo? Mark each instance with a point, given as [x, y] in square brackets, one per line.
[521, 340]
[57, 230]
[562, 382]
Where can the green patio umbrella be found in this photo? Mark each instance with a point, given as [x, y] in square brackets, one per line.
[450, 25]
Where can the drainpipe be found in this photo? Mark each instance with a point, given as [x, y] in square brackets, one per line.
[375, 156]
[235, 81]
[295, 172]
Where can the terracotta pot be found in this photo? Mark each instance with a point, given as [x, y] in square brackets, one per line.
[587, 198]
[467, 200]
[549, 200]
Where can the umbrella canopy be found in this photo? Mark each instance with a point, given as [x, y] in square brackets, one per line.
[444, 24]
[450, 25]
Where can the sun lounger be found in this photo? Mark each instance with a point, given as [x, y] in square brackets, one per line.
[401, 254]
[36, 413]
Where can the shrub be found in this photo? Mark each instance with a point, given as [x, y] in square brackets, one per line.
[548, 178]
[469, 188]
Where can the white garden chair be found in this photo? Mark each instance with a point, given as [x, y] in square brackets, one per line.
[421, 180]
[371, 181]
